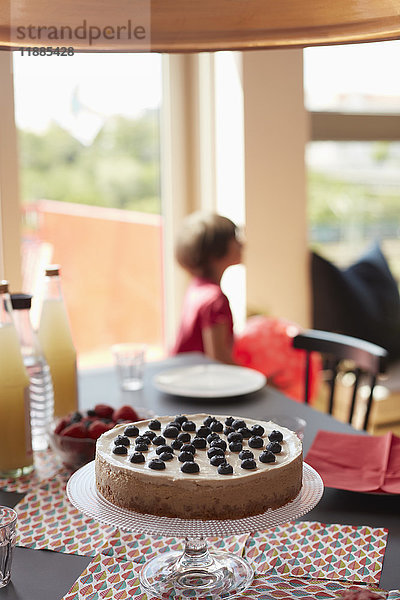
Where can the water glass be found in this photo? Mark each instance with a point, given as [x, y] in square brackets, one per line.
[129, 359]
[8, 524]
[296, 424]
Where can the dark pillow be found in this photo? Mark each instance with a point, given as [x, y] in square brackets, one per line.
[362, 301]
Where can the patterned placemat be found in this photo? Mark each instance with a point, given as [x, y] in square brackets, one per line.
[47, 466]
[112, 578]
[141, 548]
[47, 520]
[315, 550]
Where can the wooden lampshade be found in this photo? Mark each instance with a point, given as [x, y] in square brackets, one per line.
[194, 25]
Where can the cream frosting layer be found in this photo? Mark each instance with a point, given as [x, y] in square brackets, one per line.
[291, 448]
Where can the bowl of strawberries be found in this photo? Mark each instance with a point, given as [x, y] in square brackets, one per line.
[73, 437]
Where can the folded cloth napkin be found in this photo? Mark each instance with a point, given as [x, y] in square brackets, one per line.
[356, 462]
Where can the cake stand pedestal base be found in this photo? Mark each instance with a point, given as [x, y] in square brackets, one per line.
[196, 573]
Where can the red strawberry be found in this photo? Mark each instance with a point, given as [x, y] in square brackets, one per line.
[125, 413]
[104, 411]
[76, 430]
[97, 428]
[61, 424]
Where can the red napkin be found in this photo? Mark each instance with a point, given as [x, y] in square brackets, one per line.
[356, 462]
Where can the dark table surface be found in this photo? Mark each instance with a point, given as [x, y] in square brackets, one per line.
[39, 574]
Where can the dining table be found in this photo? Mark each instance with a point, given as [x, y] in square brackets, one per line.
[43, 574]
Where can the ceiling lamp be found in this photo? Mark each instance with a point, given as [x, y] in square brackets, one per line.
[194, 25]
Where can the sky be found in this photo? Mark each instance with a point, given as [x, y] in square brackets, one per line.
[370, 68]
[79, 92]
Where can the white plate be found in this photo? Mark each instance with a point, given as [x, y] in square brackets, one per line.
[209, 381]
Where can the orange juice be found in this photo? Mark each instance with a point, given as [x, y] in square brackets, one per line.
[56, 341]
[16, 456]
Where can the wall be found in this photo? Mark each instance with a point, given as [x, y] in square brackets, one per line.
[10, 226]
[275, 128]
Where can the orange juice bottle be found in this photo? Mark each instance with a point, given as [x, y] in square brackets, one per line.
[57, 345]
[16, 456]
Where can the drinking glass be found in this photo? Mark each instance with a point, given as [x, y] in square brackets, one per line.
[129, 360]
[8, 523]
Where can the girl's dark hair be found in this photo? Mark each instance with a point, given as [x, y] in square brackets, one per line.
[203, 236]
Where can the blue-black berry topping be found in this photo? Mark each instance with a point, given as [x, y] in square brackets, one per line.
[166, 456]
[189, 426]
[188, 448]
[184, 437]
[137, 457]
[249, 463]
[238, 424]
[143, 438]
[274, 447]
[228, 429]
[190, 467]
[171, 431]
[208, 420]
[122, 440]
[174, 424]
[76, 417]
[235, 436]
[245, 431]
[199, 443]
[217, 460]
[218, 444]
[235, 446]
[155, 425]
[159, 440]
[257, 430]
[229, 421]
[149, 434]
[225, 469]
[185, 457]
[120, 450]
[215, 452]
[141, 446]
[212, 437]
[217, 426]
[256, 442]
[131, 431]
[203, 431]
[156, 464]
[246, 454]
[267, 457]
[163, 448]
[180, 419]
[176, 444]
[275, 436]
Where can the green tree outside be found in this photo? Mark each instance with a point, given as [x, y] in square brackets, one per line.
[120, 169]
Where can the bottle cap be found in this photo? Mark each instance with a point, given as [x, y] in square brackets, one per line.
[3, 286]
[52, 270]
[21, 301]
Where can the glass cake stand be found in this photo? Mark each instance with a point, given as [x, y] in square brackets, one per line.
[196, 572]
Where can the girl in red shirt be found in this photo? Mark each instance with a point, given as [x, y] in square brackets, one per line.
[207, 245]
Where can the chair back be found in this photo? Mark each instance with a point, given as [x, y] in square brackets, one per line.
[368, 360]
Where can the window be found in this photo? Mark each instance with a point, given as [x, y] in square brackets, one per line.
[353, 168]
[89, 145]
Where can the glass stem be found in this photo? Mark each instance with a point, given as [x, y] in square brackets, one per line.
[195, 555]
